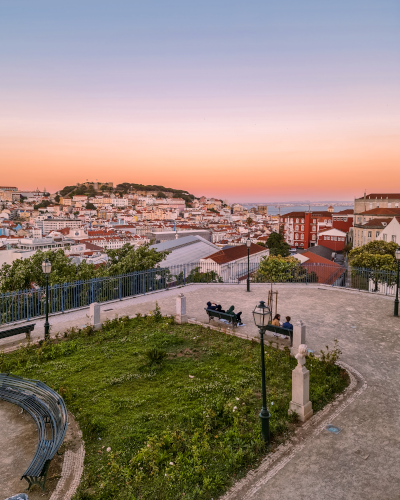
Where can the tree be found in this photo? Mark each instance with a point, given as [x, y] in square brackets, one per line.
[129, 259]
[160, 194]
[277, 245]
[249, 221]
[374, 261]
[22, 272]
[276, 269]
[90, 206]
[57, 198]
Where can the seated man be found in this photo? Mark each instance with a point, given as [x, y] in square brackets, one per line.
[238, 315]
[287, 324]
[214, 307]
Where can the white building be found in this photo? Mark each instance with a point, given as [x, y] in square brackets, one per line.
[391, 231]
[231, 263]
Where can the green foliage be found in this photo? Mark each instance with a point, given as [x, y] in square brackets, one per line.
[160, 194]
[22, 272]
[156, 356]
[249, 221]
[282, 269]
[67, 190]
[43, 204]
[377, 257]
[90, 206]
[57, 198]
[169, 433]
[195, 276]
[129, 259]
[277, 245]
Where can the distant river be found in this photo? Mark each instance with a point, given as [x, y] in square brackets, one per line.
[272, 210]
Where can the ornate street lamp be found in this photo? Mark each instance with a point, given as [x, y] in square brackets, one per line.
[248, 245]
[261, 315]
[396, 302]
[46, 267]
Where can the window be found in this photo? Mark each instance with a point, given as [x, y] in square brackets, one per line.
[314, 221]
[376, 234]
[345, 219]
[297, 228]
[369, 234]
[359, 220]
[296, 236]
[389, 205]
[377, 205]
[396, 205]
[302, 236]
[302, 220]
[394, 238]
[314, 228]
[302, 228]
[313, 237]
[384, 237]
[370, 206]
[297, 220]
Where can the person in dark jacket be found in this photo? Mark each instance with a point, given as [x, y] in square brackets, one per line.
[288, 325]
[238, 315]
[215, 307]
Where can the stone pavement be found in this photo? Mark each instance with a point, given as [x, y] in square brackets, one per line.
[362, 461]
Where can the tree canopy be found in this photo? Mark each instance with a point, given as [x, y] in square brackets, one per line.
[22, 272]
[282, 269]
[277, 245]
[374, 255]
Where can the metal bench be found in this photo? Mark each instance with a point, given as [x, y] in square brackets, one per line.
[282, 331]
[48, 411]
[221, 315]
[16, 331]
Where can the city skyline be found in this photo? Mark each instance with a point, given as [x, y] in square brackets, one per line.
[246, 102]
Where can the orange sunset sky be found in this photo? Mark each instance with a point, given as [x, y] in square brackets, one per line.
[244, 102]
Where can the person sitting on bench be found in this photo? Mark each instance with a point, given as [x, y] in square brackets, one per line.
[287, 324]
[276, 320]
[238, 315]
[215, 307]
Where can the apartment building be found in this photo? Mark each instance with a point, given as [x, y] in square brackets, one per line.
[301, 229]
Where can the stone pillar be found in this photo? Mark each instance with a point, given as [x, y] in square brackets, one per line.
[94, 315]
[181, 316]
[299, 337]
[301, 403]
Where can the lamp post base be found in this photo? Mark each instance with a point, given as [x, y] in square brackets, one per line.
[248, 285]
[46, 331]
[264, 417]
[396, 308]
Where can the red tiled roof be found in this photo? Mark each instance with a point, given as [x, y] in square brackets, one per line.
[382, 211]
[380, 222]
[327, 271]
[348, 211]
[234, 253]
[383, 196]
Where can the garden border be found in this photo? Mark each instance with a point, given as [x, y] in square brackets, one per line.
[247, 487]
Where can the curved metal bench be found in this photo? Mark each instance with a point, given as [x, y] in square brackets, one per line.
[48, 410]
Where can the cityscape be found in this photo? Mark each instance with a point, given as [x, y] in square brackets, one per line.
[199, 250]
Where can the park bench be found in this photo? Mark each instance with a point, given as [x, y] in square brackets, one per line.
[221, 315]
[48, 411]
[282, 331]
[16, 331]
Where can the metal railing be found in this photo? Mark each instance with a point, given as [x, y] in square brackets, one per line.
[28, 304]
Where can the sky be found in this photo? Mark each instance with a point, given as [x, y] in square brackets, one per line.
[246, 101]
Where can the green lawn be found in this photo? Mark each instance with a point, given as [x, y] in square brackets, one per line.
[186, 427]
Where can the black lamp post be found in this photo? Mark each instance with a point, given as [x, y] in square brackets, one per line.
[396, 302]
[262, 315]
[46, 267]
[248, 245]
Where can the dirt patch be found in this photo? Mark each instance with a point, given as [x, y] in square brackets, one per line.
[18, 442]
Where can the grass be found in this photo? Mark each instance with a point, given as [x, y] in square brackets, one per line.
[177, 405]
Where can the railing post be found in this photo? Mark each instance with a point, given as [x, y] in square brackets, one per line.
[27, 304]
[119, 286]
[184, 275]
[144, 285]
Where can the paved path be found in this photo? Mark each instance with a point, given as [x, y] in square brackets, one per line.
[360, 462]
